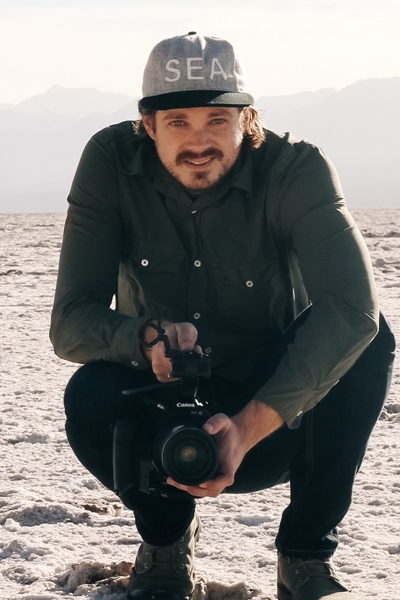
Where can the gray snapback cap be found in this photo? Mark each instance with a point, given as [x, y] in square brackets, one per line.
[191, 70]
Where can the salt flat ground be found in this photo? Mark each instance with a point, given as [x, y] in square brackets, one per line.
[63, 535]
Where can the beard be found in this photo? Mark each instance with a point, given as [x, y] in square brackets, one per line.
[198, 181]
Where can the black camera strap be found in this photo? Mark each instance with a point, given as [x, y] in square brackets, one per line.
[160, 337]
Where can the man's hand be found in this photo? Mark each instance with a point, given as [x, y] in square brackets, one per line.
[234, 437]
[182, 336]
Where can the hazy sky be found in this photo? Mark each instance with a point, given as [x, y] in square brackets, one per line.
[287, 46]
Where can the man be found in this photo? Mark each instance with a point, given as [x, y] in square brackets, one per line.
[215, 236]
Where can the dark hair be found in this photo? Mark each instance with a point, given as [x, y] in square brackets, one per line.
[254, 131]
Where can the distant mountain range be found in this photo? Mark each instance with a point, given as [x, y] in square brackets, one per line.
[41, 139]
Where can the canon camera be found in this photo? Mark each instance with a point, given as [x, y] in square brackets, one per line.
[165, 437]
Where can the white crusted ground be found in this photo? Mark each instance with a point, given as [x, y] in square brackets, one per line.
[64, 535]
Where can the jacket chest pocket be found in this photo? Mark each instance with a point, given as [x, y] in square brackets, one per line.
[155, 274]
[247, 293]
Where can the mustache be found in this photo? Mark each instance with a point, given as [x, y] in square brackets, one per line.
[188, 155]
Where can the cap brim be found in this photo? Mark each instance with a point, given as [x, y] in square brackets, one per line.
[195, 99]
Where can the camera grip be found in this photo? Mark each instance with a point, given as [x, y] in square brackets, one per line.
[124, 455]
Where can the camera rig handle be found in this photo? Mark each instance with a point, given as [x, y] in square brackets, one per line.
[184, 363]
[188, 366]
[161, 336]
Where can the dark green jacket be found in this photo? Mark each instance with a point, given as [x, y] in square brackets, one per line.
[239, 263]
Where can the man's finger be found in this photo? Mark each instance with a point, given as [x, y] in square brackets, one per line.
[198, 491]
[216, 423]
[187, 336]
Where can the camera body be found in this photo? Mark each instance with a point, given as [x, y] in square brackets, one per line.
[165, 438]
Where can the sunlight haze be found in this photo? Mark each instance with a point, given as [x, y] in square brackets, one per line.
[286, 46]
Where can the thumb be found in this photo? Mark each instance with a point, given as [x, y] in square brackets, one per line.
[215, 423]
[187, 336]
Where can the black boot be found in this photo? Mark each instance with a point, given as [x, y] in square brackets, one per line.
[165, 572]
[312, 579]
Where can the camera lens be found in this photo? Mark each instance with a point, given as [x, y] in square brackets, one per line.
[189, 455]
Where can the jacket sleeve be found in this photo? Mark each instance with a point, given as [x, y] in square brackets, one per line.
[83, 326]
[326, 249]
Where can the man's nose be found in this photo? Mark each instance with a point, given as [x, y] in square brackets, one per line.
[200, 137]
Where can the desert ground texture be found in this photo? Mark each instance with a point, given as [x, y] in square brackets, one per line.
[64, 535]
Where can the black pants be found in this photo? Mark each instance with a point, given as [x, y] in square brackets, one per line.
[320, 458]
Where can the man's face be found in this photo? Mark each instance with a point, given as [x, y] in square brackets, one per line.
[197, 145]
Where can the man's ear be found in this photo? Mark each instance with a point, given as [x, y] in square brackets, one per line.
[149, 122]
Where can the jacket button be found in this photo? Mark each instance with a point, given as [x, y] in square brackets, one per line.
[196, 316]
[249, 283]
[197, 263]
[135, 363]
[144, 262]
[208, 350]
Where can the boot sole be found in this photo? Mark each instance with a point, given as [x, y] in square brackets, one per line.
[156, 595]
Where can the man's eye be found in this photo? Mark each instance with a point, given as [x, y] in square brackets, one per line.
[219, 121]
[177, 123]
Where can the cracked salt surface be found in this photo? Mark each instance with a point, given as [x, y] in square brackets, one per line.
[63, 535]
